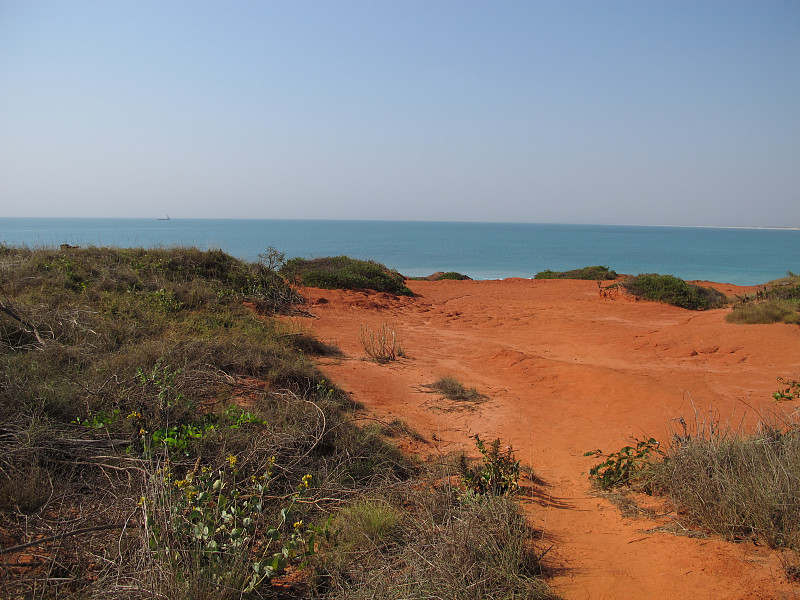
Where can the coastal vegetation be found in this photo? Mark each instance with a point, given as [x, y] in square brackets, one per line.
[674, 291]
[163, 435]
[343, 272]
[596, 273]
[735, 484]
[778, 302]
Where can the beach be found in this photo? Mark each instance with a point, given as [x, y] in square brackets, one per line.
[568, 370]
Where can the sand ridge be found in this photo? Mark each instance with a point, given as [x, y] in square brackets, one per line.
[566, 371]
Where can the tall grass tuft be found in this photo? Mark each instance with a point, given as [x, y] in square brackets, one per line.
[737, 485]
[380, 345]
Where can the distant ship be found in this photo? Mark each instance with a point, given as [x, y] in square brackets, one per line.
[165, 219]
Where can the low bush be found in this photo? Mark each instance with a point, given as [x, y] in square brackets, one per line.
[343, 272]
[674, 291]
[596, 273]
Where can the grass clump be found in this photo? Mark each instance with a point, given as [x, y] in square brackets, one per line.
[740, 486]
[452, 389]
[595, 273]
[446, 545]
[674, 291]
[380, 345]
[343, 272]
[768, 311]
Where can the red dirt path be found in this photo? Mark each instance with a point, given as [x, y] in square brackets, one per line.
[567, 371]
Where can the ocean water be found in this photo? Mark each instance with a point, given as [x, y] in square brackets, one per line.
[480, 250]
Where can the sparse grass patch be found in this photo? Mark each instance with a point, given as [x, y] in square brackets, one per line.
[343, 272]
[595, 273]
[675, 291]
[452, 389]
[738, 485]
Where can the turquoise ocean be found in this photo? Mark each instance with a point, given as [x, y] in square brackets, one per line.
[480, 250]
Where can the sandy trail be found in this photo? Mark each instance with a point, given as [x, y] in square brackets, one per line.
[567, 371]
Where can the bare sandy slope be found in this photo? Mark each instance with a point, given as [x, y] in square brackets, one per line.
[567, 371]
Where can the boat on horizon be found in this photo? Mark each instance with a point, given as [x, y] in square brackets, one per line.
[165, 218]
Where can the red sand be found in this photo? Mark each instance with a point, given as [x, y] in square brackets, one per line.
[567, 371]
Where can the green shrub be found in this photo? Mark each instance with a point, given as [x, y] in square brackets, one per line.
[596, 273]
[675, 291]
[343, 272]
[150, 360]
[623, 467]
[498, 473]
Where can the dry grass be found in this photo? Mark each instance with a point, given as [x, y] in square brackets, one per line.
[740, 486]
[445, 545]
[380, 345]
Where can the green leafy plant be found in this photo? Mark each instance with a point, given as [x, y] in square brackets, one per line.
[99, 419]
[498, 472]
[176, 438]
[215, 519]
[790, 392]
[620, 468]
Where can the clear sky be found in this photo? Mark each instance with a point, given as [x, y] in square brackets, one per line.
[630, 112]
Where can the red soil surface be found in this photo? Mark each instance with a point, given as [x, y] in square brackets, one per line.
[567, 371]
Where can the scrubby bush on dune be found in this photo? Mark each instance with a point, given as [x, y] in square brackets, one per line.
[675, 291]
[596, 273]
[343, 272]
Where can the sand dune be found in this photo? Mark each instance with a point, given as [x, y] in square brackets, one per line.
[568, 371]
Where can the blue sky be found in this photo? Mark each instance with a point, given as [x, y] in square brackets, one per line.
[626, 112]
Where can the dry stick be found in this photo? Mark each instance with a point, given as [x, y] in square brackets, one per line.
[59, 536]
